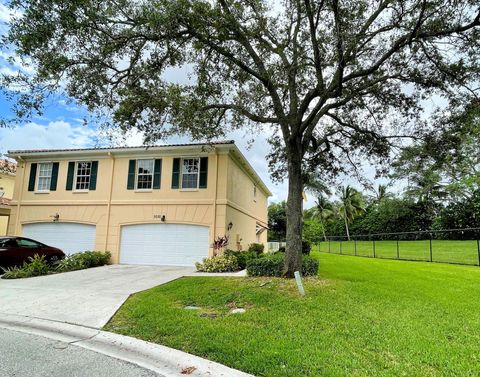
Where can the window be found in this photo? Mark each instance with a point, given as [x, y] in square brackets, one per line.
[22, 242]
[144, 174]
[7, 242]
[190, 169]
[44, 176]
[82, 181]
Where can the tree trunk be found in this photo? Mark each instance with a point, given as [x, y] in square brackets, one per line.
[293, 252]
[324, 234]
[346, 224]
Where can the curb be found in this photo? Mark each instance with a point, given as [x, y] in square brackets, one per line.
[166, 361]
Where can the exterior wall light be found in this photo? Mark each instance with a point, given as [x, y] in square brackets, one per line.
[230, 225]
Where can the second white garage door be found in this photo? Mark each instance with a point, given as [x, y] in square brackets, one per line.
[163, 244]
[70, 237]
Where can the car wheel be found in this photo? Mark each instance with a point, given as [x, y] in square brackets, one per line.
[52, 260]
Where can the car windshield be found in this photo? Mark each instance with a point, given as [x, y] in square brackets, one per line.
[7, 242]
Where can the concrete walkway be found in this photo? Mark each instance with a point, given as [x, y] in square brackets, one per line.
[165, 361]
[87, 297]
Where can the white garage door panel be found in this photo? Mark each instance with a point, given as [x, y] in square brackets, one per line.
[163, 244]
[70, 237]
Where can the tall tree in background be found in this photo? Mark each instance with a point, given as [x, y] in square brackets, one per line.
[325, 212]
[351, 205]
[445, 164]
[333, 81]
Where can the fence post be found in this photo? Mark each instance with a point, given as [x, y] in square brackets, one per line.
[329, 245]
[431, 247]
[340, 246]
[478, 251]
[374, 252]
[398, 247]
[355, 246]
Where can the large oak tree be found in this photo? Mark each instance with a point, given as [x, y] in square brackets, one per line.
[332, 80]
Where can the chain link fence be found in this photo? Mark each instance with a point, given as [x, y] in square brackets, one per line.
[456, 246]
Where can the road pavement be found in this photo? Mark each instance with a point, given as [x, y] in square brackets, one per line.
[26, 355]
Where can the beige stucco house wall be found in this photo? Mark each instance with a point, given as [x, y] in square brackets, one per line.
[7, 184]
[228, 197]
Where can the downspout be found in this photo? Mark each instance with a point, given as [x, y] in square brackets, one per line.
[110, 154]
[216, 195]
[17, 219]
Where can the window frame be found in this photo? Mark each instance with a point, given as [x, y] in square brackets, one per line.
[37, 179]
[75, 176]
[196, 188]
[152, 174]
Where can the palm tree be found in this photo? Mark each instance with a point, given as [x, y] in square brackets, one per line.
[351, 205]
[324, 211]
[382, 193]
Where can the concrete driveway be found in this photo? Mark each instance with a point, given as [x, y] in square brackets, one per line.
[87, 297]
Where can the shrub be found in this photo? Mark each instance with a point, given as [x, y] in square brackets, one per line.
[306, 247]
[310, 266]
[14, 273]
[218, 264]
[268, 266]
[256, 248]
[273, 266]
[242, 257]
[35, 266]
[80, 261]
[39, 265]
[281, 249]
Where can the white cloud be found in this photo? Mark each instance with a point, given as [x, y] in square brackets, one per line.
[56, 134]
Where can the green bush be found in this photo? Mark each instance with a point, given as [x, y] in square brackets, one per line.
[268, 266]
[82, 260]
[310, 266]
[242, 257]
[306, 247]
[273, 266]
[36, 266]
[14, 273]
[256, 248]
[219, 263]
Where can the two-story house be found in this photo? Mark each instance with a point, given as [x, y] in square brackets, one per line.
[7, 183]
[153, 205]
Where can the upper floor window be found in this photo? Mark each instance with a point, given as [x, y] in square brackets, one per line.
[145, 174]
[44, 176]
[82, 180]
[190, 172]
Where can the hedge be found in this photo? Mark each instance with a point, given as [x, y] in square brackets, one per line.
[273, 266]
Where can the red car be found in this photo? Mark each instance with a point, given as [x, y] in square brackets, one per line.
[16, 250]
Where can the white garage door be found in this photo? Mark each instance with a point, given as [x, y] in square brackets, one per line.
[163, 244]
[70, 237]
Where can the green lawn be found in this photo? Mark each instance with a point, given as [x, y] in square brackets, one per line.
[464, 252]
[361, 317]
